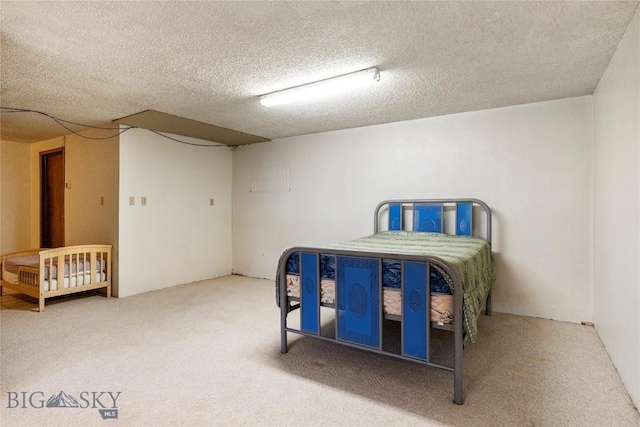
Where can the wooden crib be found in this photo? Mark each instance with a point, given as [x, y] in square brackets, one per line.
[37, 272]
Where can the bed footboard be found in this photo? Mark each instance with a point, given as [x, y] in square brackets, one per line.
[359, 314]
[356, 268]
[86, 267]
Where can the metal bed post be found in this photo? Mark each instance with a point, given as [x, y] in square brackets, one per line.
[284, 307]
[487, 211]
[458, 344]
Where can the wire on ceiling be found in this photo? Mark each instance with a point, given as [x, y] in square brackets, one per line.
[185, 142]
[61, 122]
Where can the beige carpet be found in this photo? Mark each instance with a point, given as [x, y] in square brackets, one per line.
[208, 353]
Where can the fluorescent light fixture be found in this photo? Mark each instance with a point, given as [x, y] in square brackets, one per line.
[322, 88]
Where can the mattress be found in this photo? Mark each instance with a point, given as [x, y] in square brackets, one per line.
[442, 305]
[13, 263]
[7, 276]
[77, 280]
[391, 272]
[470, 257]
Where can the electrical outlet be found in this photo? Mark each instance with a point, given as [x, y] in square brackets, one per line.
[132, 200]
[143, 200]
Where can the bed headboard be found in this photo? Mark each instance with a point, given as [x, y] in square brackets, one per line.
[463, 217]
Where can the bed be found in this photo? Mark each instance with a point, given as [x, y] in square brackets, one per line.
[409, 270]
[37, 272]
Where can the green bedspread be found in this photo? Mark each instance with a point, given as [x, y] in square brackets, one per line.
[470, 257]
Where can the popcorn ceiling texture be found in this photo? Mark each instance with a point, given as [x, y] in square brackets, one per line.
[94, 62]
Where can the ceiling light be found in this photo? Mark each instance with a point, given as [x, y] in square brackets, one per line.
[322, 88]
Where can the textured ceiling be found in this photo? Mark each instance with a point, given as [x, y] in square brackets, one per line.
[93, 62]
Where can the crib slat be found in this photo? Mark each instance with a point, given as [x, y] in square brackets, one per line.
[60, 276]
[93, 267]
[82, 273]
[73, 275]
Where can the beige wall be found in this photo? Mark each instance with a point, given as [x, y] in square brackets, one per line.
[15, 214]
[91, 173]
[91, 199]
[617, 209]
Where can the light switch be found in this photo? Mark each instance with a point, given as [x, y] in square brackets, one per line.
[210, 202]
[132, 200]
[143, 200]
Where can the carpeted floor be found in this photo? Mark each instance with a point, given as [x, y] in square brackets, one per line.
[208, 353]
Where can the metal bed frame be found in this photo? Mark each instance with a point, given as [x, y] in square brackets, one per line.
[396, 211]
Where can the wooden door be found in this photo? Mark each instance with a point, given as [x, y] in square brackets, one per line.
[52, 199]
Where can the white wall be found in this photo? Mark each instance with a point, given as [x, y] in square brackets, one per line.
[617, 209]
[530, 163]
[178, 237]
[14, 197]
